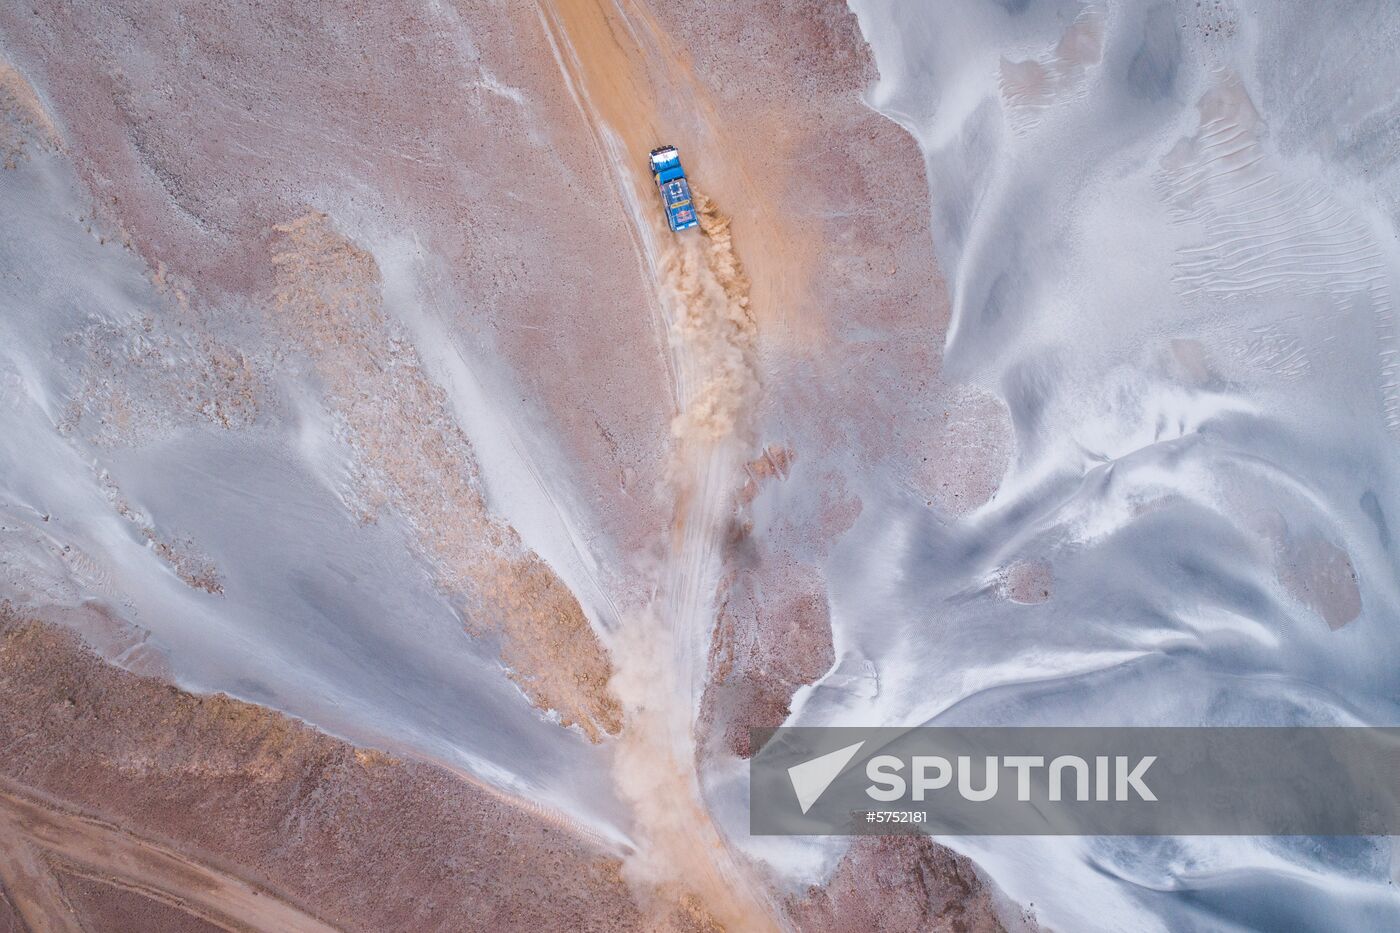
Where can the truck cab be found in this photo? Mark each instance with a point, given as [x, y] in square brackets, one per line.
[675, 190]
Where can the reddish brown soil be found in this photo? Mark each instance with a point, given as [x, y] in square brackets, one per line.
[899, 883]
[1028, 582]
[151, 778]
[10, 920]
[773, 635]
[104, 906]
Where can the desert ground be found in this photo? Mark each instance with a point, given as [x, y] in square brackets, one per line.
[402, 529]
[426, 277]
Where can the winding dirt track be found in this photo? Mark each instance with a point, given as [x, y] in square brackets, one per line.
[39, 835]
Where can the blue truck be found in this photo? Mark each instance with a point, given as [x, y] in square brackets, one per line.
[675, 190]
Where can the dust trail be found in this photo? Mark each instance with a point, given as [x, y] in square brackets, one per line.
[705, 294]
[659, 655]
[712, 331]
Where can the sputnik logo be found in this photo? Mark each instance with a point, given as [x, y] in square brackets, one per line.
[811, 778]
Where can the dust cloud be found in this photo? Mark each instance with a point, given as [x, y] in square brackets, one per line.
[712, 330]
[682, 863]
[682, 869]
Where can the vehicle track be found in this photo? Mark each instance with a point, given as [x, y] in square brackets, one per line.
[618, 70]
[37, 834]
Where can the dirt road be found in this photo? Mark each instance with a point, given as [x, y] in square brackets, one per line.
[637, 91]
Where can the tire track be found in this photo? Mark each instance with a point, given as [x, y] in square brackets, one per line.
[36, 831]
